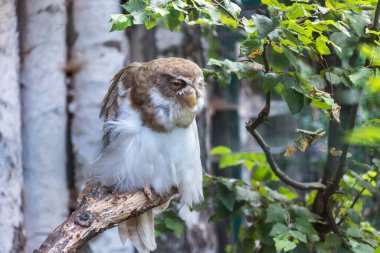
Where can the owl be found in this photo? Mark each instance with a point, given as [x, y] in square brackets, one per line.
[151, 137]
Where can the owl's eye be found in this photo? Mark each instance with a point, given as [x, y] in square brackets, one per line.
[177, 84]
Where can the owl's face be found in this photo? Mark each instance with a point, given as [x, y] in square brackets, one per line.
[172, 90]
[187, 92]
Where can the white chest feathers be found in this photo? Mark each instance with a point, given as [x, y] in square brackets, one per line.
[139, 157]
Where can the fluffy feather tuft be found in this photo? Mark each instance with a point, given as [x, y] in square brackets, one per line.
[138, 156]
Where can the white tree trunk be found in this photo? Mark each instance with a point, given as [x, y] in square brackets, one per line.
[11, 233]
[99, 54]
[43, 42]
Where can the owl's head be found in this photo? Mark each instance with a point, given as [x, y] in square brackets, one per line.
[175, 79]
[170, 89]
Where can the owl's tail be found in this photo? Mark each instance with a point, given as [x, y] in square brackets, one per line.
[140, 231]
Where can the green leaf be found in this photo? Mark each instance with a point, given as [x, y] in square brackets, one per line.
[270, 80]
[288, 80]
[224, 69]
[291, 57]
[214, 14]
[332, 240]
[169, 221]
[321, 45]
[278, 229]
[365, 136]
[372, 53]
[334, 76]
[284, 245]
[262, 173]
[173, 19]
[120, 21]
[303, 225]
[310, 197]
[288, 193]
[359, 247]
[304, 213]
[360, 76]
[298, 235]
[176, 224]
[264, 24]
[294, 100]
[250, 45]
[249, 27]
[276, 213]
[245, 194]
[297, 11]
[293, 26]
[232, 7]
[274, 3]
[305, 40]
[139, 17]
[149, 24]
[230, 22]
[220, 150]
[134, 5]
[230, 160]
[362, 182]
[227, 197]
[358, 22]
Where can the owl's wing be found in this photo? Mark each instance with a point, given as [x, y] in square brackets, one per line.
[117, 91]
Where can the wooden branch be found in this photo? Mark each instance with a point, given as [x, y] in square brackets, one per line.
[276, 169]
[264, 113]
[97, 212]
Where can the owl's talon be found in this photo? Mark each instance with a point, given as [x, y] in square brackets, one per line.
[148, 193]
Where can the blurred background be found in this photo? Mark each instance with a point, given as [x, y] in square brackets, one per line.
[56, 60]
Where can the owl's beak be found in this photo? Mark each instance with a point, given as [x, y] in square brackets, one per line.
[191, 99]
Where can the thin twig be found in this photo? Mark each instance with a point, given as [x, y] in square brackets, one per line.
[334, 226]
[356, 199]
[226, 11]
[276, 170]
[263, 116]
[264, 113]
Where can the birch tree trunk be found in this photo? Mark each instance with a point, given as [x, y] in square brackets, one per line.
[11, 232]
[43, 43]
[99, 54]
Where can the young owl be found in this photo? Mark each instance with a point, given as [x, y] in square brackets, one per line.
[151, 137]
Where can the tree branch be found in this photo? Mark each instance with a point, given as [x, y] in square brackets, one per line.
[97, 212]
[264, 113]
[333, 186]
[377, 15]
[251, 128]
[285, 178]
[342, 161]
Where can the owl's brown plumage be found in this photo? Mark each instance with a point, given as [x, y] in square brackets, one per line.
[160, 74]
[151, 136]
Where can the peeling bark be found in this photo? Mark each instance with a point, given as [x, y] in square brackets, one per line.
[12, 236]
[99, 211]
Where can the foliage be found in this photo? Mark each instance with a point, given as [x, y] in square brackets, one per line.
[169, 222]
[283, 214]
[322, 55]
